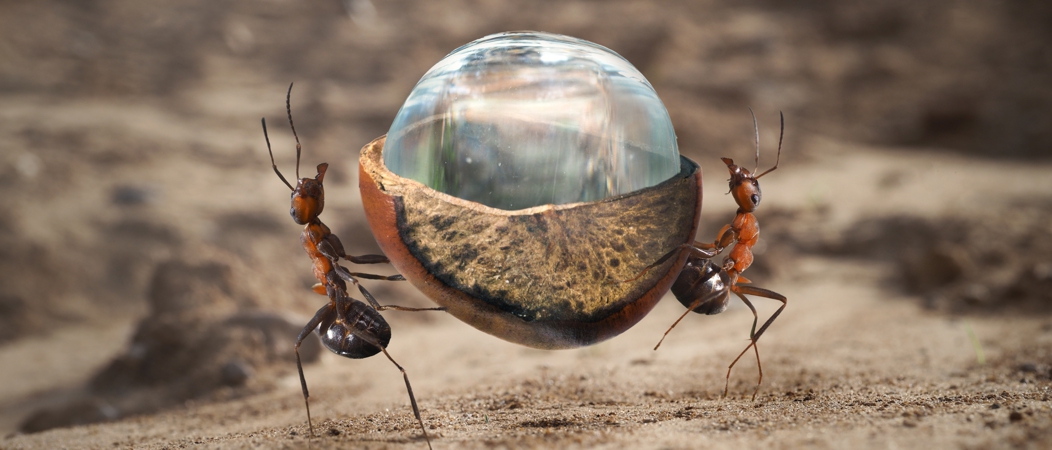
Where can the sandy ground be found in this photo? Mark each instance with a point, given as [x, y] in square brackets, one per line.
[850, 363]
[151, 281]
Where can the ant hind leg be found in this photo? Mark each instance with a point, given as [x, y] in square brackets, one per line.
[754, 334]
[412, 398]
[409, 388]
[752, 344]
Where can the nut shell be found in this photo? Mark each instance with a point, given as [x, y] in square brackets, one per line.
[546, 277]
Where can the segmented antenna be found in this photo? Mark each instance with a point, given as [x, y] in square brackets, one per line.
[781, 134]
[272, 164]
[288, 108]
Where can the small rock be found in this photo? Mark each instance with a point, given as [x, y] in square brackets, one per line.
[937, 267]
[132, 195]
[235, 373]
[78, 412]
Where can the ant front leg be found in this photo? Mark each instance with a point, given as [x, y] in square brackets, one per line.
[725, 238]
[343, 273]
[370, 276]
[701, 249]
[754, 334]
[367, 259]
[332, 248]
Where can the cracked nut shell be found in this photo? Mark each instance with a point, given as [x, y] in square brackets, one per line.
[546, 277]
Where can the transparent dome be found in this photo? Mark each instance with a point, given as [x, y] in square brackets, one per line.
[516, 120]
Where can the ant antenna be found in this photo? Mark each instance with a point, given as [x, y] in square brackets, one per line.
[756, 129]
[781, 134]
[288, 107]
[272, 164]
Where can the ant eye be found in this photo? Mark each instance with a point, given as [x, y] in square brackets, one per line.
[755, 199]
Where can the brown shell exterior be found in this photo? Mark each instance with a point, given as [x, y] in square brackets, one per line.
[545, 277]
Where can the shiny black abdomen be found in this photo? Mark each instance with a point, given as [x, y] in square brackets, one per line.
[369, 329]
[704, 280]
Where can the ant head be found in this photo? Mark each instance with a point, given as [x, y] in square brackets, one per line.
[743, 187]
[308, 198]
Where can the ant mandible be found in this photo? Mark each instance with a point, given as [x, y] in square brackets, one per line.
[704, 287]
[347, 326]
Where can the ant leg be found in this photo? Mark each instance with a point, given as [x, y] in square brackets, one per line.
[332, 247]
[321, 315]
[702, 249]
[367, 259]
[676, 323]
[693, 305]
[725, 238]
[761, 292]
[353, 276]
[412, 398]
[377, 306]
[754, 334]
[349, 276]
[369, 276]
[752, 344]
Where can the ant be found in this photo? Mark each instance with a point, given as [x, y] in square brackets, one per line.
[704, 287]
[347, 326]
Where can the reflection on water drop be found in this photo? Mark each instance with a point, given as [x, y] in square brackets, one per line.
[516, 120]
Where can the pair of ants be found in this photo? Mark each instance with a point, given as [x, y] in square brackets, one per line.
[354, 329]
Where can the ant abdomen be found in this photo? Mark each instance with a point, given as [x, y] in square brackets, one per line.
[370, 330]
[704, 284]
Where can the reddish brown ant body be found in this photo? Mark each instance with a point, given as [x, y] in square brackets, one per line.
[704, 287]
[347, 327]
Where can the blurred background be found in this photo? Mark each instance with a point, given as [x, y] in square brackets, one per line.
[146, 252]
